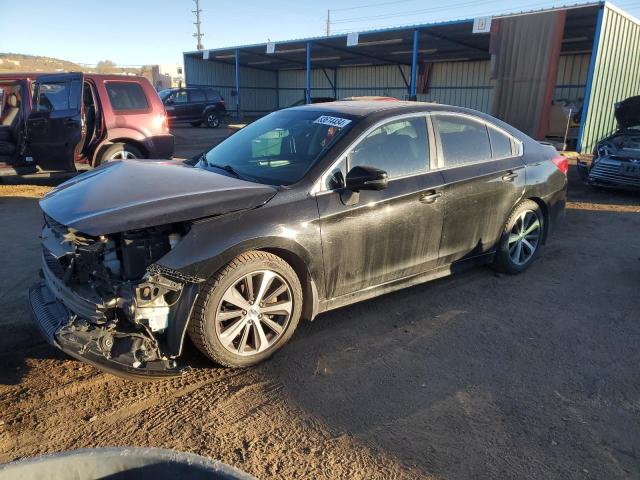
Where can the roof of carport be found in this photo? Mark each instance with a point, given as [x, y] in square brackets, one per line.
[443, 41]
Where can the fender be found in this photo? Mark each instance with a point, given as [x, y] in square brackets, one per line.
[213, 242]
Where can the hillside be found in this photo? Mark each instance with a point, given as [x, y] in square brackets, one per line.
[16, 62]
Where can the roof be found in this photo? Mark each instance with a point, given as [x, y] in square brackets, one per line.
[442, 41]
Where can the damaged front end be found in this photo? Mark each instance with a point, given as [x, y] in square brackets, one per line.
[616, 162]
[105, 301]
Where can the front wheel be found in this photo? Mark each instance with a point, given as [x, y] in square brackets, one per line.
[521, 239]
[247, 311]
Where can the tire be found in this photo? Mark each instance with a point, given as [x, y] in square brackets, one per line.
[211, 119]
[213, 316]
[511, 258]
[120, 151]
[196, 124]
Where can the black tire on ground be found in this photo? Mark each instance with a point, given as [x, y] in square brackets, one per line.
[211, 119]
[202, 325]
[196, 124]
[504, 261]
[119, 151]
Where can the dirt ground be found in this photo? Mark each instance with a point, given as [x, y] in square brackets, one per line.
[477, 375]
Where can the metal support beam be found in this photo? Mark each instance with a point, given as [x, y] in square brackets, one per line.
[592, 69]
[404, 77]
[308, 88]
[335, 83]
[237, 84]
[414, 62]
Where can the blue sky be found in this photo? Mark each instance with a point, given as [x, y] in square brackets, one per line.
[135, 32]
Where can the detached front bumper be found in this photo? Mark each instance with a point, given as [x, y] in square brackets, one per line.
[81, 340]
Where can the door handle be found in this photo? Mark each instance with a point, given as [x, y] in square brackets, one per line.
[430, 197]
[509, 177]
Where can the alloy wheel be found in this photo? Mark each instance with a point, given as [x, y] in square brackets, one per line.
[212, 120]
[254, 313]
[122, 155]
[524, 237]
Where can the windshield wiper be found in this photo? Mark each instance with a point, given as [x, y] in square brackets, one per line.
[227, 168]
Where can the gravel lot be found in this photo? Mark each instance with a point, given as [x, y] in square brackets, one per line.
[473, 376]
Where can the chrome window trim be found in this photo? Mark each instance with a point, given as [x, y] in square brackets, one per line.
[317, 186]
[488, 125]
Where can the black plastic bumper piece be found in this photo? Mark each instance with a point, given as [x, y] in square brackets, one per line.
[56, 324]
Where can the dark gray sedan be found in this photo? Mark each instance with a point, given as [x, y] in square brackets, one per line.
[305, 210]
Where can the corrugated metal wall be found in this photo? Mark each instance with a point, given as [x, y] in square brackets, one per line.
[258, 94]
[465, 84]
[616, 75]
[573, 71]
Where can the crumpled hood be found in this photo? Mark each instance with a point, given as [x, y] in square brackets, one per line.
[133, 194]
[628, 112]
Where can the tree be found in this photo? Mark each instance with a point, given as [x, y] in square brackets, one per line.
[106, 66]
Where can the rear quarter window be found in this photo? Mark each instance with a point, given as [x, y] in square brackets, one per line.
[126, 96]
[213, 95]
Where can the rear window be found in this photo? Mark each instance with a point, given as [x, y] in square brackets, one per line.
[126, 96]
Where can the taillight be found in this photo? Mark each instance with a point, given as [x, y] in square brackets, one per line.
[562, 163]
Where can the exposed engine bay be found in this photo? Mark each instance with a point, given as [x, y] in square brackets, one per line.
[623, 145]
[121, 306]
[616, 161]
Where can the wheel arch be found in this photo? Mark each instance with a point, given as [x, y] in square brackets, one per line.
[298, 257]
[309, 290]
[545, 215]
[106, 144]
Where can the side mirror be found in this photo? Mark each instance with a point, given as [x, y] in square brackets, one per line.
[168, 101]
[366, 178]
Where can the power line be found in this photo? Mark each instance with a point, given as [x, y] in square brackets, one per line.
[372, 5]
[413, 13]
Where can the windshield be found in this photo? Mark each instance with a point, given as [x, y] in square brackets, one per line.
[280, 148]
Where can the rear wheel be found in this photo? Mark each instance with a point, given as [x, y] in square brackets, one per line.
[212, 120]
[521, 239]
[120, 151]
[247, 311]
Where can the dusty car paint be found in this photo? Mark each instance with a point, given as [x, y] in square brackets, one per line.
[420, 227]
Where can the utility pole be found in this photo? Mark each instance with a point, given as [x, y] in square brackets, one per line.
[328, 22]
[198, 34]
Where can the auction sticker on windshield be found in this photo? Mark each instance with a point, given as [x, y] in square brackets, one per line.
[332, 121]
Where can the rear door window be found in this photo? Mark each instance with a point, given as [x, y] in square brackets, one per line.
[126, 96]
[54, 96]
[196, 95]
[463, 139]
[399, 148]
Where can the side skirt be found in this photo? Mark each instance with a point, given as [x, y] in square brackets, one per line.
[405, 282]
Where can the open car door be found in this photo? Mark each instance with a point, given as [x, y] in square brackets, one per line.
[54, 126]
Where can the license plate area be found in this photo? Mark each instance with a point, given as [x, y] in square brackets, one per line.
[630, 169]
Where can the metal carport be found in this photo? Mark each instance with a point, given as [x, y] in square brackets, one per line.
[444, 62]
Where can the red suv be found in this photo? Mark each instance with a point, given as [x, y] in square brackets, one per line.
[53, 122]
